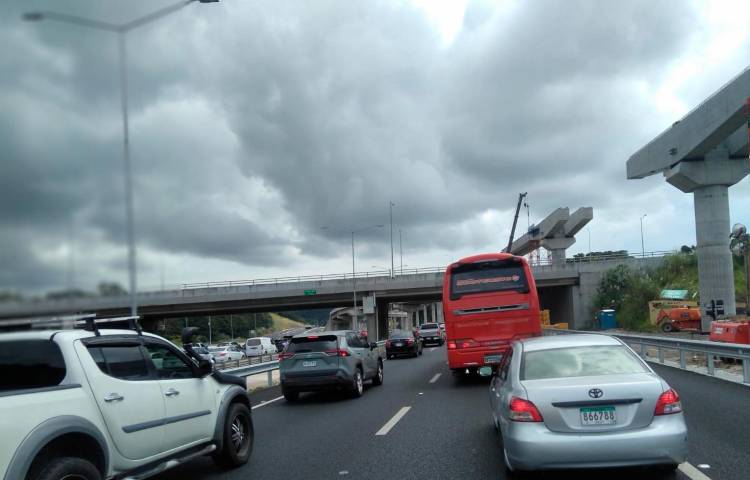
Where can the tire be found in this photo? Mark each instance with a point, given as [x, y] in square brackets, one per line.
[667, 327]
[378, 378]
[238, 437]
[358, 387]
[290, 395]
[64, 467]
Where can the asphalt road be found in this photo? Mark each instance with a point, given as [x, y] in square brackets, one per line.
[447, 432]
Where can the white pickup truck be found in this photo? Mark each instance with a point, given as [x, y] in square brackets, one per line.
[113, 404]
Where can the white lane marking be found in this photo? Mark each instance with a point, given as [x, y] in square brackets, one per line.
[393, 421]
[263, 404]
[431, 349]
[344, 472]
[692, 472]
[435, 378]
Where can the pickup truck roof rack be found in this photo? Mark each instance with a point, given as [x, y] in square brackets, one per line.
[43, 323]
[91, 323]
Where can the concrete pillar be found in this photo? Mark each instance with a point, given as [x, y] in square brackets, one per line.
[424, 313]
[433, 307]
[709, 180]
[556, 247]
[715, 268]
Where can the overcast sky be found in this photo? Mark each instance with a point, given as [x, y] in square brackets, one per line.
[255, 123]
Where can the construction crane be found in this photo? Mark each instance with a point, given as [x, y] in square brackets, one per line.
[521, 196]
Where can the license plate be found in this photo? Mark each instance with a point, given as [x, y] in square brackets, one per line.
[398, 344]
[309, 364]
[598, 416]
[492, 358]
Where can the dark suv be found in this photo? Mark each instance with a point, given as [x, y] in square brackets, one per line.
[340, 360]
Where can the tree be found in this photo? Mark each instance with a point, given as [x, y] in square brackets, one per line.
[111, 289]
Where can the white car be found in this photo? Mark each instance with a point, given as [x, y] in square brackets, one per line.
[114, 404]
[259, 346]
[226, 353]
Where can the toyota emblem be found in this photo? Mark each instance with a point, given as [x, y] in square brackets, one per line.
[595, 393]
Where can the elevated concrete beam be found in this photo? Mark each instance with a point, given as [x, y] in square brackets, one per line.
[700, 131]
[578, 220]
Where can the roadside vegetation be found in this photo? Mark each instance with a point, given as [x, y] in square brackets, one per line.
[628, 290]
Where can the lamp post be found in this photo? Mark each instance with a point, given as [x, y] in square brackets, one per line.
[390, 210]
[121, 30]
[401, 251]
[643, 249]
[354, 275]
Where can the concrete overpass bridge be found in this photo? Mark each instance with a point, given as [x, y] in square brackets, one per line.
[567, 290]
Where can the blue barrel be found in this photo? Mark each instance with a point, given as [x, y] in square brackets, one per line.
[607, 319]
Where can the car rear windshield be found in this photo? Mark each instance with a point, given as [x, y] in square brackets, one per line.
[579, 362]
[489, 276]
[400, 334]
[253, 342]
[312, 344]
[30, 364]
[429, 326]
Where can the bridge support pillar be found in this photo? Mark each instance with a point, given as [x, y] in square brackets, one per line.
[709, 180]
[556, 247]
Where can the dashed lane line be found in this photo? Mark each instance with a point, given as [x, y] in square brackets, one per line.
[263, 404]
[435, 378]
[692, 472]
[393, 421]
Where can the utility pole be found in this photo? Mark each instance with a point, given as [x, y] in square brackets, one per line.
[643, 249]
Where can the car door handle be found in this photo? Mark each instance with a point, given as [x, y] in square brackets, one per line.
[113, 397]
[171, 392]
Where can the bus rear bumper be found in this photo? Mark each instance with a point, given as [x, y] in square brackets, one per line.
[460, 359]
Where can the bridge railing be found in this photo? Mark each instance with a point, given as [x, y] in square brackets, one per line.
[406, 271]
[700, 355]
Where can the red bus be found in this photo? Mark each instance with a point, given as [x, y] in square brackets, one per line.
[489, 300]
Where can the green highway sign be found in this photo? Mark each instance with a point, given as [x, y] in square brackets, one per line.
[310, 292]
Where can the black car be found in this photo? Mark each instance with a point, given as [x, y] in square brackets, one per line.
[403, 343]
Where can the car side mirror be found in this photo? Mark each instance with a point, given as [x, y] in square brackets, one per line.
[205, 368]
[373, 345]
[485, 371]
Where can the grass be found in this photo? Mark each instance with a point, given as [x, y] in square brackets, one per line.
[280, 322]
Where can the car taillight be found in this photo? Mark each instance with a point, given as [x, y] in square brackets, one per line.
[668, 403]
[410, 341]
[462, 343]
[221, 354]
[285, 355]
[387, 344]
[339, 352]
[523, 411]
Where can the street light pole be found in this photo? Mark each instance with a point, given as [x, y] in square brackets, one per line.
[390, 209]
[643, 250]
[354, 274]
[400, 251]
[121, 30]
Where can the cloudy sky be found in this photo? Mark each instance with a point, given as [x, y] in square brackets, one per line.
[255, 123]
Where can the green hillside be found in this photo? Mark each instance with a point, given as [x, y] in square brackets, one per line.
[628, 290]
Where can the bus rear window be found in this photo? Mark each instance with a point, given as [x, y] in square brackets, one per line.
[490, 276]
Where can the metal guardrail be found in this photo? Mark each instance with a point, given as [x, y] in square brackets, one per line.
[405, 271]
[712, 350]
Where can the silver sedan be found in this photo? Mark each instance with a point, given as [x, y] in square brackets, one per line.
[583, 400]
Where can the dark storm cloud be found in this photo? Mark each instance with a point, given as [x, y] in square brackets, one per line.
[256, 123]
